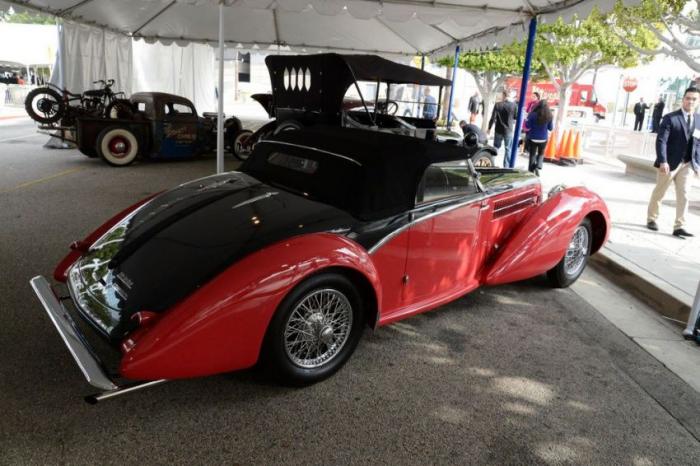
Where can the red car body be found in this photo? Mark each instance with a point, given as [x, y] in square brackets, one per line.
[444, 249]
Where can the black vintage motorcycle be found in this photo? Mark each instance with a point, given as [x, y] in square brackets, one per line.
[50, 104]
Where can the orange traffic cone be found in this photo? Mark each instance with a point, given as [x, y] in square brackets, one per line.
[550, 150]
[577, 147]
[563, 142]
[566, 156]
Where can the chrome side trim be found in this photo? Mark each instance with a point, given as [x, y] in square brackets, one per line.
[290, 144]
[255, 199]
[529, 200]
[89, 365]
[415, 221]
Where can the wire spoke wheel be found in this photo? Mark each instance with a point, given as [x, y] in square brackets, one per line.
[318, 328]
[577, 251]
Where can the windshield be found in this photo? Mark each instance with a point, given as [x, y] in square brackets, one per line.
[404, 100]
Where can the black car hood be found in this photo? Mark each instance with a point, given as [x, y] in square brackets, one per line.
[183, 238]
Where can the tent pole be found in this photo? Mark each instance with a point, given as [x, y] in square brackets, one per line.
[220, 114]
[452, 88]
[523, 90]
[422, 62]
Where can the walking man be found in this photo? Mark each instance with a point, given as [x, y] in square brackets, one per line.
[677, 156]
[503, 117]
[474, 104]
[429, 105]
[656, 114]
[640, 108]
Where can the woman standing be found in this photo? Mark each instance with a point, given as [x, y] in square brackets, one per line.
[539, 123]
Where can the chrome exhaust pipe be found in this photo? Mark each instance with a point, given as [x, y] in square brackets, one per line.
[124, 389]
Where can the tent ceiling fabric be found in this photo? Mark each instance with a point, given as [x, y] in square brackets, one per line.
[401, 27]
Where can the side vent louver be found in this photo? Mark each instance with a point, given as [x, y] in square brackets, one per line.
[514, 204]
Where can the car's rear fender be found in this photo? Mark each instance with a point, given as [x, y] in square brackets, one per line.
[78, 248]
[221, 326]
[540, 242]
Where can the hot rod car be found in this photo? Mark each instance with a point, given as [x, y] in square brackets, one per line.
[328, 89]
[158, 126]
[322, 232]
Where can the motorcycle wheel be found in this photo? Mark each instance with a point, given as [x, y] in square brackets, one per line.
[119, 109]
[44, 105]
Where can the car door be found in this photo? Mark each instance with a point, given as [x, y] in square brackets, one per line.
[442, 240]
[180, 126]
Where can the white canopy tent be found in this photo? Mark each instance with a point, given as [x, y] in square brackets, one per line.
[387, 27]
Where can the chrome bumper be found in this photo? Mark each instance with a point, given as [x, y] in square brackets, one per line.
[89, 365]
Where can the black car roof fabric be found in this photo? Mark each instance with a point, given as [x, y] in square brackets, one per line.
[383, 184]
[364, 68]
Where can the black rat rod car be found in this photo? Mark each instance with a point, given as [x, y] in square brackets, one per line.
[353, 91]
[162, 126]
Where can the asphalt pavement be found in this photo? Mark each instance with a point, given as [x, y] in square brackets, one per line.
[516, 374]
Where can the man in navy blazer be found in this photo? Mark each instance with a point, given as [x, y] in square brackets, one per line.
[677, 156]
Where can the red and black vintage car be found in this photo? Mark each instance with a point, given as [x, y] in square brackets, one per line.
[322, 232]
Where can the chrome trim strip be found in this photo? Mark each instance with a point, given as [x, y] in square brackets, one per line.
[255, 199]
[272, 141]
[510, 206]
[123, 390]
[89, 365]
[128, 217]
[437, 212]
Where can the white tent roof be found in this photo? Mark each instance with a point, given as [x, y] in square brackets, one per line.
[404, 27]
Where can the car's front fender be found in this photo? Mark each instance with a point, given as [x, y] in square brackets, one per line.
[540, 242]
[221, 326]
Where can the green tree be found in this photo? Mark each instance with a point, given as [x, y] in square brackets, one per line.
[490, 70]
[12, 16]
[675, 24]
[565, 51]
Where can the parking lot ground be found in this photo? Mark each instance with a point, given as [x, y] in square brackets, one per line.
[516, 374]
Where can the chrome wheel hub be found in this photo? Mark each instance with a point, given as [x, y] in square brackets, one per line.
[318, 328]
[577, 251]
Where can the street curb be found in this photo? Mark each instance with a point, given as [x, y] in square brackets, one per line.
[668, 302]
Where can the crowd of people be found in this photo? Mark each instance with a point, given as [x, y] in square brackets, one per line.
[640, 109]
[15, 78]
[538, 126]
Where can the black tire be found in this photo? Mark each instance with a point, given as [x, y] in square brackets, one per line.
[120, 109]
[483, 159]
[289, 125]
[117, 146]
[238, 147]
[44, 105]
[279, 348]
[563, 274]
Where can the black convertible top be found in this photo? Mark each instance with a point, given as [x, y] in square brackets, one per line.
[359, 67]
[312, 87]
[369, 174]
